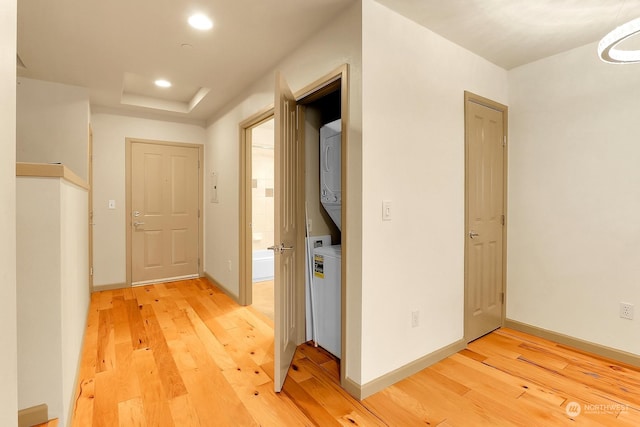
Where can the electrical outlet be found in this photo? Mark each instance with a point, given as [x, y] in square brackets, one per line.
[626, 311]
[415, 319]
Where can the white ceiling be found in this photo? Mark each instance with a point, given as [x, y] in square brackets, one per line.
[105, 45]
[511, 33]
[115, 48]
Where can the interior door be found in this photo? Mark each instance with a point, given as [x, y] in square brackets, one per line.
[485, 163]
[289, 296]
[164, 217]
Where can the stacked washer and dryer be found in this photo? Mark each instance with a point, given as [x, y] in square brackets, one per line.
[327, 260]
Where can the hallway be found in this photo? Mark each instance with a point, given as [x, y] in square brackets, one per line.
[185, 354]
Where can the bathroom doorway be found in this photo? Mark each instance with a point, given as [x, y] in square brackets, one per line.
[259, 207]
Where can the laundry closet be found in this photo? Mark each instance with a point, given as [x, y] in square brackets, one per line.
[323, 196]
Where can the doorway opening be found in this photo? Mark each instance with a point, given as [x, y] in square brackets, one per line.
[262, 216]
[311, 265]
[323, 102]
[323, 215]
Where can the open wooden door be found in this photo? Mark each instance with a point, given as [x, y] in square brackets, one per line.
[289, 295]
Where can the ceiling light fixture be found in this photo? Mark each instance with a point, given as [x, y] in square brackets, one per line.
[162, 83]
[606, 48]
[200, 22]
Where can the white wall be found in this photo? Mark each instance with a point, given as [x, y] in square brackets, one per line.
[8, 327]
[38, 273]
[53, 124]
[413, 85]
[335, 45]
[574, 204]
[74, 294]
[53, 290]
[109, 134]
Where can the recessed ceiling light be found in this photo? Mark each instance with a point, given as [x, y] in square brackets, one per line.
[162, 83]
[200, 22]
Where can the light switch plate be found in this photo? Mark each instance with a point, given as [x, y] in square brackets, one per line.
[386, 210]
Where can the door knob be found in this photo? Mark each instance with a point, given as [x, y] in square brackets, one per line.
[473, 234]
[137, 223]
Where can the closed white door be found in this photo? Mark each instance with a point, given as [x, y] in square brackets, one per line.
[485, 175]
[164, 216]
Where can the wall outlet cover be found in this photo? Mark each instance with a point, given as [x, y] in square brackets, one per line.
[626, 311]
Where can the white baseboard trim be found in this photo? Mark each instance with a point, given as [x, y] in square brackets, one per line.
[586, 346]
[386, 380]
[217, 284]
[34, 415]
[109, 287]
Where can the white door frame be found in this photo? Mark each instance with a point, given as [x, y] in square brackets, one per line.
[91, 212]
[245, 296]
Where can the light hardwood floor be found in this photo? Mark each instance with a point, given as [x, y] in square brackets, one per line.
[184, 354]
[263, 298]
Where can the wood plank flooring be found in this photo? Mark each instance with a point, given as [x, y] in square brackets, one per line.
[263, 298]
[184, 354]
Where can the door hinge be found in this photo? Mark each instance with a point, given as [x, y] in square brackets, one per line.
[90, 271]
[199, 214]
[502, 219]
[504, 140]
[502, 297]
[198, 262]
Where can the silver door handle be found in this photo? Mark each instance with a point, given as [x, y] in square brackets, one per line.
[279, 249]
[473, 234]
[136, 213]
[135, 224]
